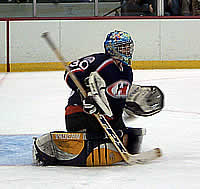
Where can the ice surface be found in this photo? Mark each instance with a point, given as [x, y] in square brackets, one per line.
[33, 103]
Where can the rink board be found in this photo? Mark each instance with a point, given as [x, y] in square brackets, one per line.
[16, 149]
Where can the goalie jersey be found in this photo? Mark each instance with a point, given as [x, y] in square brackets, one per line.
[118, 79]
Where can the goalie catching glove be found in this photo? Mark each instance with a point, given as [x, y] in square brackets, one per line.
[96, 101]
[144, 100]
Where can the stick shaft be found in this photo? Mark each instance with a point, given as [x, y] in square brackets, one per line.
[61, 58]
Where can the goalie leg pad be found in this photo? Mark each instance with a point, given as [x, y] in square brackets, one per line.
[81, 149]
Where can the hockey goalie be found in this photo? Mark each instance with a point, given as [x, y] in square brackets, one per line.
[108, 80]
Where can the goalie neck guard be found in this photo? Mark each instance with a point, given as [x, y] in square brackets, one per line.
[120, 46]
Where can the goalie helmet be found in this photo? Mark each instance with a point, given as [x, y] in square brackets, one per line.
[119, 45]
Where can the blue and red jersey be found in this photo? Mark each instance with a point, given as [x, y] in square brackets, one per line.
[118, 80]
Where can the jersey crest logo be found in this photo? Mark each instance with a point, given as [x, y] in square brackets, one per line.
[118, 89]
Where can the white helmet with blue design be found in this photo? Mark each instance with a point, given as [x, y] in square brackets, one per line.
[120, 46]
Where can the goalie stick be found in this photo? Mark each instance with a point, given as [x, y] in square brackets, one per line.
[140, 158]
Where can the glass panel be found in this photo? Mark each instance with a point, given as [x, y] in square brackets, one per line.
[109, 8]
[47, 8]
[13, 9]
[76, 8]
[65, 9]
[79, 8]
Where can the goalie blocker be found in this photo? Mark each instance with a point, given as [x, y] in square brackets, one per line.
[83, 149]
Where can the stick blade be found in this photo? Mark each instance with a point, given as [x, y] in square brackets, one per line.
[145, 157]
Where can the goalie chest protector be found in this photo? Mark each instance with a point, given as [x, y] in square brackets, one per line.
[82, 149]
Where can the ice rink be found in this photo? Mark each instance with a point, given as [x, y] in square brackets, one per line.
[32, 103]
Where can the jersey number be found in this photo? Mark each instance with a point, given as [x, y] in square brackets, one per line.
[82, 64]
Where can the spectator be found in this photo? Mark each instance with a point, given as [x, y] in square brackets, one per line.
[135, 8]
[171, 7]
[186, 9]
[195, 7]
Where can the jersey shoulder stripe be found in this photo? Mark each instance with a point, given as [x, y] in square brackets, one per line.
[73, 71]
[104, 64]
